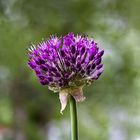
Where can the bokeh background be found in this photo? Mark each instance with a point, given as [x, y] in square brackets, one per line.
[29, 111]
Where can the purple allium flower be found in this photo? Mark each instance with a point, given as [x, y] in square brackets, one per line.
[66, 64]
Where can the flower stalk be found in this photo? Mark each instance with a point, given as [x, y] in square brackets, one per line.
[66, 64]
[74, 121]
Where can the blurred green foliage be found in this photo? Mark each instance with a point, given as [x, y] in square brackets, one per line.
[29, 111]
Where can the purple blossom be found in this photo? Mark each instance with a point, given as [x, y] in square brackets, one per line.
[66, 64]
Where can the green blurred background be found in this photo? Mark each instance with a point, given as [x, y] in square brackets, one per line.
[29, 111]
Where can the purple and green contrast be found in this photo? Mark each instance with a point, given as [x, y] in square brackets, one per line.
[65, 64]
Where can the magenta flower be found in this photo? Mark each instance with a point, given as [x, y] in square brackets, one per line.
[66, 64]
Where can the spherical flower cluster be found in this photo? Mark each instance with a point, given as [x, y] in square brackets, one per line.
[66, 64]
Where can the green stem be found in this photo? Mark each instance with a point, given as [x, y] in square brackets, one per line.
[74, 122]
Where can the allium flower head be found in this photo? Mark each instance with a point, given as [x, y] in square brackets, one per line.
[66, 64]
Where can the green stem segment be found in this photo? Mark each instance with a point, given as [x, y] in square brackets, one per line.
[74, 122]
